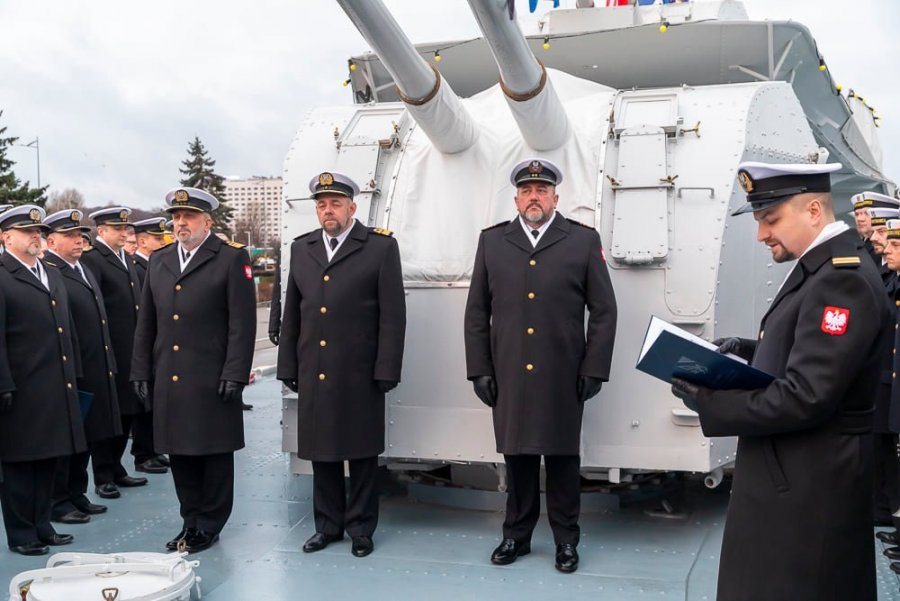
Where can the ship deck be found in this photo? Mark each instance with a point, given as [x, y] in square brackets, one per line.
[422, 550]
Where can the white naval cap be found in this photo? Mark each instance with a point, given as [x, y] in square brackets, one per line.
[66, 220]
[536, 169]
[154, 225]
[111, 216]
[23, 217]
[331, 182]
[768, 184]
[191, 199]
[893, 229]
[880, 215]
[873, 200]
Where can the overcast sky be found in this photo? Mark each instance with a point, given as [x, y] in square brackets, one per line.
[114, 90]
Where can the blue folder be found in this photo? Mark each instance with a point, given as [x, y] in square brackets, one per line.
[672, 355]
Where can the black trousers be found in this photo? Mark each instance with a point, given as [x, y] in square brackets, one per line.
[142, 437]
[523, 501]
[70, 482]
[107, 455]
[333, 511]
[25, 497]
[885, 493]
[205, 488]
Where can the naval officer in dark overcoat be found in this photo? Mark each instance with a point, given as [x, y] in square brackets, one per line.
[39, 414]
[150, 235]
[341, 349]
[121, 290]
[98, 365]
[799, 525]
[529, 357]
[193, 351]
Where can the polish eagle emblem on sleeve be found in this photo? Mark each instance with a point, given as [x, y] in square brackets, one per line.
[835, 320]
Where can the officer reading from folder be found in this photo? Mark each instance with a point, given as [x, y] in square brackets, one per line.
[803, 459]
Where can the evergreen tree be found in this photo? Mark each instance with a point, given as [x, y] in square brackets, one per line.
[198, 172]
[12, 190]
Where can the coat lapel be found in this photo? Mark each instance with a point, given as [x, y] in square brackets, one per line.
[353, 243]
[317, 248]
[64, 268]
[20, 272]
[515, 235]
[558, 230]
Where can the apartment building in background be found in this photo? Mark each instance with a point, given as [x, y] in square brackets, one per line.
[257, 208]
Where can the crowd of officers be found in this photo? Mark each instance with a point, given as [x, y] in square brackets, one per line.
[161, 348]
[95, 344]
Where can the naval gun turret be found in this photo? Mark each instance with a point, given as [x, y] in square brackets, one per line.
[649, 129]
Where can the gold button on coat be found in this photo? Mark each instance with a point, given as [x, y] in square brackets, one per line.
[532, 262]
[531, 295]
[53, 302]
[177, 286]
[60, 330]
[530, 331]
[323, 343]
[69, 386]
[529, 367]
[323, 310]
[175, 348]
[65, 358]
[174, 378]
[325, 278]
[175, 317]
[321, 376]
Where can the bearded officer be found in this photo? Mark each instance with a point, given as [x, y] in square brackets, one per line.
[341, 349]
[193, 351]
[101, 420]
[862, 202]
[121, 290]
[39, 415]
[529, 359]
[804, 457]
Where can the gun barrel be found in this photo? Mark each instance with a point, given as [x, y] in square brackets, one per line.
[429, 99]
[534, 103]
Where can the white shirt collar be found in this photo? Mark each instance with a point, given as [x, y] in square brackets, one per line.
[41, 271]
[828, 232]
[340, 238]
[142, 255]
[528, 229]
[182, 250]
[72, 265]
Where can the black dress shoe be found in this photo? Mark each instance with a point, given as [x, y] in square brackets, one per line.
[151, 466]
[130, 481]
[58, 539]
[319, 541]
[362, 546]
[172, 545]
[31, 549]
[163, 460]
[200, 541]
[892, 553]
[85, 506]
[73, 517]
[895, 567]
[108, 491]
[508, 551]
[566, 558]
[888, 537]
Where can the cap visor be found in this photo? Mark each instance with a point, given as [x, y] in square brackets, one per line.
[79, 228]
[184, 208]
[528, 180]
[336, 192]
[30, 226]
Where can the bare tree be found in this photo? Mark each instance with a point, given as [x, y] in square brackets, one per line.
[251, 221]
[70, 198]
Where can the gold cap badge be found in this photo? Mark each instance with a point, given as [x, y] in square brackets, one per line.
[746, 181]
[75, 216]
[34, 215]
[326, 179]
[535, 168]
[181, 196]
[123, 215]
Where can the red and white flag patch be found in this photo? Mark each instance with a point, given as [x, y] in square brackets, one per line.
[835, 320]
[248, 273]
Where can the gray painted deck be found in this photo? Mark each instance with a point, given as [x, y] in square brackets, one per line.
[421, 550]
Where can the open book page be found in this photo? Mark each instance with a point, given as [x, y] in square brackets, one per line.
[658, 326]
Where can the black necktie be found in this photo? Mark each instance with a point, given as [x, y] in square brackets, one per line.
[535, 233]
[36, 272]
[333, 242]
[187, 255]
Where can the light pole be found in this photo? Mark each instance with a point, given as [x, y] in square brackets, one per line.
[34, 144]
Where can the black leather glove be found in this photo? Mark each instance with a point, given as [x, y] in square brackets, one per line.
[736, 346]
[6, 399]
[687, 392]
[230, 392]
[292, 385]
[486, 389]
[588, 387]
[386, 385]
[273, 336]
[142, 391]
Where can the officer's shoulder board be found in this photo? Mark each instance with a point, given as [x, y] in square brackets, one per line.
[496, 225]
[234, 244]
[573, 222]
[851, 262]
[302, 236]
[50, 263]
[381, 231]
